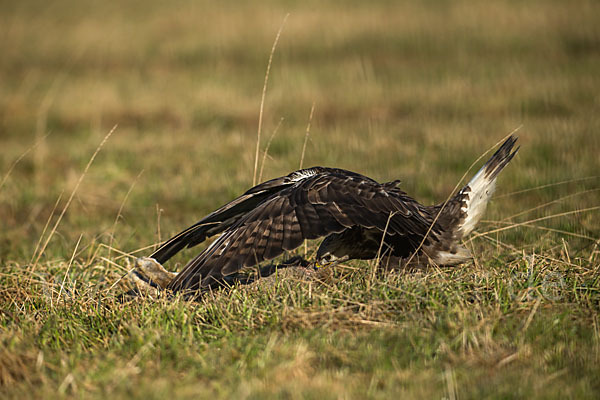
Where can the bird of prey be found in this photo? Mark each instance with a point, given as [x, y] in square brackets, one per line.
[359, 218]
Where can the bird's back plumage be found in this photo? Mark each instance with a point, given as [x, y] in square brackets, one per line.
[320, 201]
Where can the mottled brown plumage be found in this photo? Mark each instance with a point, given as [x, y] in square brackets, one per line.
[352, 210]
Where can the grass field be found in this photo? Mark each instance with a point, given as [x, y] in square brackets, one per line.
[409, 90]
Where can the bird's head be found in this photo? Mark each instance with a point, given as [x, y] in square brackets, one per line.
[330, 253]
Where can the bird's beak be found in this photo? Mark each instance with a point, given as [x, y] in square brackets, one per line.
[318, 265]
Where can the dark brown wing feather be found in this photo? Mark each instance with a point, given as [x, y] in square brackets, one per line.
[221, 219]
[320, 202]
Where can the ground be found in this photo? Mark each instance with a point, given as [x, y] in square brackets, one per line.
[415, 91]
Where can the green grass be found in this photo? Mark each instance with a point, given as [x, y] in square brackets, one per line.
[415, 91]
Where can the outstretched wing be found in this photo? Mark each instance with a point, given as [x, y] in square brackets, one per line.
[221, 219]
[315, 204]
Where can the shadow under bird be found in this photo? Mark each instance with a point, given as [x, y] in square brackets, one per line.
[359, 218]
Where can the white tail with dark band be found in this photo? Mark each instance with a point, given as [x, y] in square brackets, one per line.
[480, 189]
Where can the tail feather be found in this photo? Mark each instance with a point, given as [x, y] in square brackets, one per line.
[477, 193]
[463, 211]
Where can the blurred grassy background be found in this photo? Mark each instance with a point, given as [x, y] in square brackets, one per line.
[409, 90]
